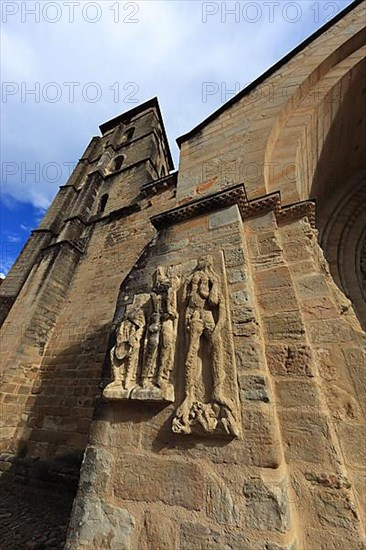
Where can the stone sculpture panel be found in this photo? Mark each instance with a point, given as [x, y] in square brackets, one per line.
[182, 325]
[143, 356]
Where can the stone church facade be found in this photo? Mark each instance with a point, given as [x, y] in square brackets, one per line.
[197, 336]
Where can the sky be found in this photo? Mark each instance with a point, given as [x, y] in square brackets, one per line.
[69, 66]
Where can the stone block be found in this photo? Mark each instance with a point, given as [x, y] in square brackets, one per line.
[266, 505]
[96, 469]
[247, 330]
[336, 511]
[261, 439]
[330, 331]
[268, 244]
[264, 222]
[311, 285]
[197, 536]
[284, 326]
[321, 307]
[234, 257]
[224, 217]
[97, 524]
[297, 393]
[156, 533]
[296, 250]
[220, 505]
[282, 299]
[150, 478]
[240, 297]
[353, 442]
[236, 275]
[306, 437]
[248, 355]
[241, 314]
[269, 279]
[253, 388]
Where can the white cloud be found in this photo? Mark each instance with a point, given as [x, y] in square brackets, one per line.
[170, 52]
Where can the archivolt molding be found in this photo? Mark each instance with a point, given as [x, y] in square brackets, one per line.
[296, 129]
[343, 240]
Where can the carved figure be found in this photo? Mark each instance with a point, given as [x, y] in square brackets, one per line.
[161, 331]
[125, 354]
[168, 287]
[205, 316]
[143, 357]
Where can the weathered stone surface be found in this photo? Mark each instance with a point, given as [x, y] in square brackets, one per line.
[306, 437]
[284, 326]
[97, 524]
[312, 285]
[157, 534]
[224, 217]
[285, 360]
[336, 510]
[234, 257]
[239, 297]
[96, 470]
[331, 480]
[148, 478]
[247, 356]
[298, 393]
[200, 537]
[253, 388]
[266, 505]
[220, 504]
[353, 443]
[330, 331]
[260, 436]
[236, 276]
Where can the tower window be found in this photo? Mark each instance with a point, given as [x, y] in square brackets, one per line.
[103, 202]
[117, 163]
[129, 134]
[162, 172]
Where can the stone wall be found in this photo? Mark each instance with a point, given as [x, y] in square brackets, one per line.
[287, 470]
[186, 332]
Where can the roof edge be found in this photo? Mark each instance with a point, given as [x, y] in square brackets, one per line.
[269, 72]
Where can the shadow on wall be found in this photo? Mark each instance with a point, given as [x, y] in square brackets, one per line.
[339, 187]
[39, 482]
[40, 471]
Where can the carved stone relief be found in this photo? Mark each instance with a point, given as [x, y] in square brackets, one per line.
[143, 356]
[207, 406]
[182, 324]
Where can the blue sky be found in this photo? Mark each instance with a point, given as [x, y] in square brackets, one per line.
[69, 66]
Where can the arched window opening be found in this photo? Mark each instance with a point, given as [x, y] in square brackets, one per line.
[129, 134]
[117, 164]
[162, 172]
[103, 202]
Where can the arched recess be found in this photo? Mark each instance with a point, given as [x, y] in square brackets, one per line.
[301, 129]
[316, 151]
[339, 187]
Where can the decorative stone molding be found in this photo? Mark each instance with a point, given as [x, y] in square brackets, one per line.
[235, 195]
[154, 187]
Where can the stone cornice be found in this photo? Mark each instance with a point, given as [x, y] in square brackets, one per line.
[60, 244]
[219, 200]
[153, 187]
[229, 197]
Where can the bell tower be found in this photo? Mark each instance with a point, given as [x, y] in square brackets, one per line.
[82, 231]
